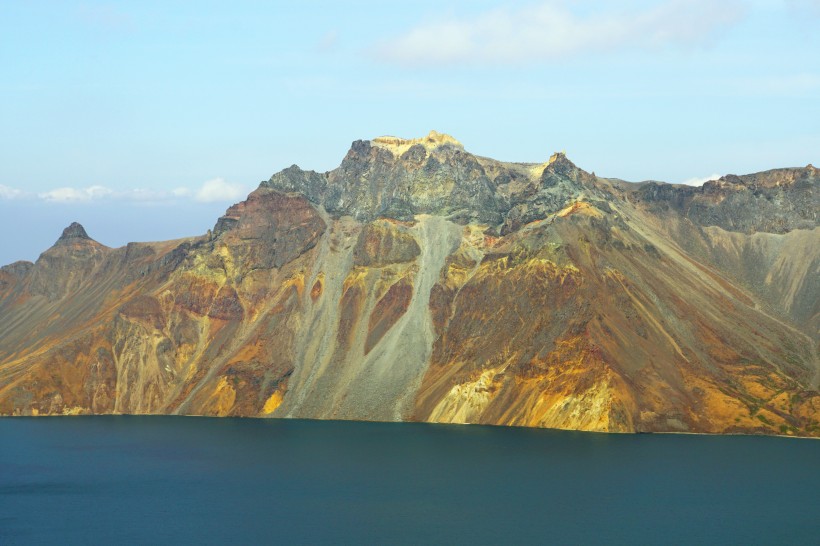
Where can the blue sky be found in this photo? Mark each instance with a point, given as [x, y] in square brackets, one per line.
[145, 120]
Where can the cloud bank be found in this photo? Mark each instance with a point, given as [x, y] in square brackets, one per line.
[69, 195]
[550, 30]
[10, 193]
[212, 191]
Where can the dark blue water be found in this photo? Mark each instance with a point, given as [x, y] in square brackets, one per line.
[148, 480]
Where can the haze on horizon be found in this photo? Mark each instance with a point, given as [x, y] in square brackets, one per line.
[144, 121]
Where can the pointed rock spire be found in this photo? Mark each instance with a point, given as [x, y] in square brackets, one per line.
[559, 163]
[73, 232]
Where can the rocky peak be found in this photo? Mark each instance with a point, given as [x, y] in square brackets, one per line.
[560, 158]
[433, 140]
[74, 232]
[728, 178]
[17, 269]
[268, 229]
[391, 149]
[559, 164]
[11, 274]
[398, 178]
[64, 267]
[774, 201]
[560, 171]
[774, 178]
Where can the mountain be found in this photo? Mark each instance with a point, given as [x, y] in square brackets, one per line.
[420, 282]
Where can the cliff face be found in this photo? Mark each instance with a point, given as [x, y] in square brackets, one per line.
[420, 282]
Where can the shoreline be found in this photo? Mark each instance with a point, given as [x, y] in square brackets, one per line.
[512, 427]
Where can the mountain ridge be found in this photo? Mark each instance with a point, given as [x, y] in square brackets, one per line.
[417, 281]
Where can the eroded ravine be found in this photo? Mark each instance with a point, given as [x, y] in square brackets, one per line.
[316, 343]
[402, 357]
[337, 381]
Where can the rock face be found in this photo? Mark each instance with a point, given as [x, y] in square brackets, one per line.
[61, 269]
[73, 232]
[418, 281]
[777, 201]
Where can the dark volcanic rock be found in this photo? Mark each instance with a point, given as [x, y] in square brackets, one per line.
[397, 178]
[269, 229]
[776, 201]
[293, 179]
[73, 232]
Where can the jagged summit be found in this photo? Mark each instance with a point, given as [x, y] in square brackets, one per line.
[772, 178]
[559, 163]
[560, 157]
[399, 178]
[73, 232]
[432, 141]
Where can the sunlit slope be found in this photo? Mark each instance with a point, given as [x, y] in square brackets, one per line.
[420, 282]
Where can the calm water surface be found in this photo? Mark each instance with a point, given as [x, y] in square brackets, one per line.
[148, 480]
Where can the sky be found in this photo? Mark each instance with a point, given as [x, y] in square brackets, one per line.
[146, 120]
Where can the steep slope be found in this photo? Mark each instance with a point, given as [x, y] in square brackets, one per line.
[420, 282]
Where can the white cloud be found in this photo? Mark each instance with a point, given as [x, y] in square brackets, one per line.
[219, 190]
[215, 190]
[75, 195]
[550, 30]
[10, 193]
[144, 195]
[699, 180]
[181, 192]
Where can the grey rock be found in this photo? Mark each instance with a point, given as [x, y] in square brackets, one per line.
[74, 231]
[776, 201]
[433, 176]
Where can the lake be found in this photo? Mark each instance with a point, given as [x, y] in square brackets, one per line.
[148, 480]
